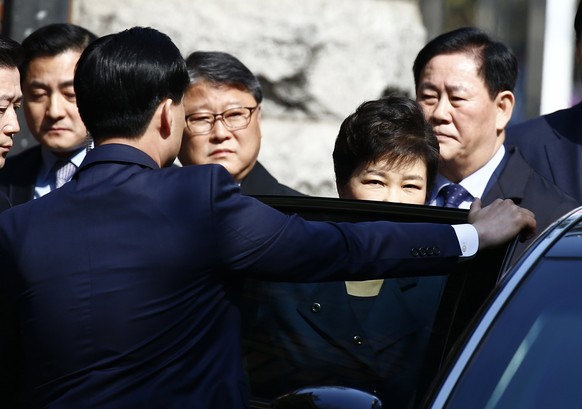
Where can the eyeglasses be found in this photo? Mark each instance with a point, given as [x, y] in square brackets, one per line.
[233, 119]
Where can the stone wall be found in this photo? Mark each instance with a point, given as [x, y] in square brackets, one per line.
[317, 61]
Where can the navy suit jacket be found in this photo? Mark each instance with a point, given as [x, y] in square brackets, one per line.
[121, 289]
[515, 179]
[18, 177]
[552, 145]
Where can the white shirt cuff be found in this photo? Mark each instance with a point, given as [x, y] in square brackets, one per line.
[468, 239]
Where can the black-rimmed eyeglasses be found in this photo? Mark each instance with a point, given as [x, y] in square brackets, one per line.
[233, 119]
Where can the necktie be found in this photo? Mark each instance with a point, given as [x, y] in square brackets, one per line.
[64, 171]
[453, 195]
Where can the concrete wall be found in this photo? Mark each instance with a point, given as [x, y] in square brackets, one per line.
[317, 60]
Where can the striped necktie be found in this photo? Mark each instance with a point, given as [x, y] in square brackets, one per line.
[64, 171]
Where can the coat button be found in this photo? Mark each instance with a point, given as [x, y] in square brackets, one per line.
[429, 251]
[436, 251]
[414, 252]
[357, 340]
[315, 307]
[422, 251]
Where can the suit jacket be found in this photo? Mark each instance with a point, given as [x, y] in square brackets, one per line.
[311, 334]
[260, 182]
[517, 180]
[4, 202]
[18, 177]
[121, 289]
[552, 145]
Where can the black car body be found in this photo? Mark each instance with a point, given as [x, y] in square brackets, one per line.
[524, 349]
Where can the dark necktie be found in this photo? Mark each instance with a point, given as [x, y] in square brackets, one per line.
[64, 171]
[453, 195]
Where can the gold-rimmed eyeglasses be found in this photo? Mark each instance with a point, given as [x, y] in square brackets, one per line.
[233, 119]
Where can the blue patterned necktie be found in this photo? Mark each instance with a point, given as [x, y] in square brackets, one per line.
[453, 195]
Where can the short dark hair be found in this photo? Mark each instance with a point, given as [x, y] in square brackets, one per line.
[219, 68]
[11, 53]
[496, 63]
[392, 128]
[52, 40]
[122, 78]
[578, 22]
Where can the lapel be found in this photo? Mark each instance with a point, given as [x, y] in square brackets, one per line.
[510, 178]
[563, 150]
[565, 147]
[21, 193]
[259, 182]
[19, 175]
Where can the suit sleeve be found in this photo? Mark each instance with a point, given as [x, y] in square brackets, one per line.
[11, 364]
[263, 243]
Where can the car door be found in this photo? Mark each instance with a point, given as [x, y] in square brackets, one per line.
[463, 292]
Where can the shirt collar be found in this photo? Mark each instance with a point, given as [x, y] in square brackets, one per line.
[49, 159]
[476, 182]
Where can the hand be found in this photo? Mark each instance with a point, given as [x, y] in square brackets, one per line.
[500, 222]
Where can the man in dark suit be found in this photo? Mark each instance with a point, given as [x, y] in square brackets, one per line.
[11, 56]
[464, 83]
[121, 288]
[50, 109]
[223, 121]
[552, 143]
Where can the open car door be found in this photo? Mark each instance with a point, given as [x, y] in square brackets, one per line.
[466, 286]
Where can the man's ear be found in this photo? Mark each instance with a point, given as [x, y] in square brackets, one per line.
[505, 102]
[166, 118]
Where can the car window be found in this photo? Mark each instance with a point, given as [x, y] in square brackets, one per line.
[531, 356]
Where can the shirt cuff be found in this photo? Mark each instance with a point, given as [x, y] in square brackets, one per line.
[468, 239]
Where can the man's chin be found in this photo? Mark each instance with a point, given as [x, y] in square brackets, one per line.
[62, 145]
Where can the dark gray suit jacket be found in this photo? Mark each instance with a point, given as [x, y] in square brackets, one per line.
[4, 202]
[515, 179]
[260, 182]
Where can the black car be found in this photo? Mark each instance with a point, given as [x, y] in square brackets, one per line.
[524, 350]
[465, 290]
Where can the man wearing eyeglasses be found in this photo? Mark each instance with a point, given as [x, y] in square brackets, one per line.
[223, 115]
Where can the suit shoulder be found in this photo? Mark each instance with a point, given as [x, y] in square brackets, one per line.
[199, 171]
[260, 182]
[28, 158]
[524, 130]
[535, 130]
[199, 177]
